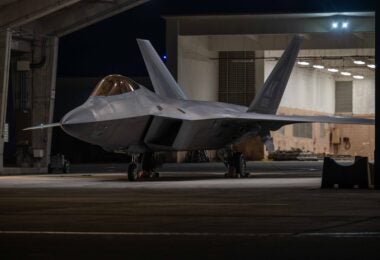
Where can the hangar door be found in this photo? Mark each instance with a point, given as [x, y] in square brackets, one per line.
[343, 97]
[237, 77]
[237, 86]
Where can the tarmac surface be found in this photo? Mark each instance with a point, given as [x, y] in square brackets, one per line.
[190, 212]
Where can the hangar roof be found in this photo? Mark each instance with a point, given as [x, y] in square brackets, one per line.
[57, 17]
[271, 23]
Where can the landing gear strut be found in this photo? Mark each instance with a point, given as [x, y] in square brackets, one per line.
[236, 164]
[142, 166]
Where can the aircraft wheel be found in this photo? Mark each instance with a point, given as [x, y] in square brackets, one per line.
[132, 172]
[156, 175]
[66, 168]
[241, 165]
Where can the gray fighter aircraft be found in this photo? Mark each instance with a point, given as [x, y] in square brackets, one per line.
[124, 116]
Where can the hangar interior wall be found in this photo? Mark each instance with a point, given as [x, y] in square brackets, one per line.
[309, 92]
[363, 97]
[312, 92]
[197, 72]
[307, 89]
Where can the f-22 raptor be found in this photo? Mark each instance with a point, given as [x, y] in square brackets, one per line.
[122, 115]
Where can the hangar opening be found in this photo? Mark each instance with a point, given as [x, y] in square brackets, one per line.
[29, 39]
[228, 57]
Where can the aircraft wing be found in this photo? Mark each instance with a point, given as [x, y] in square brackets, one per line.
[274, 122]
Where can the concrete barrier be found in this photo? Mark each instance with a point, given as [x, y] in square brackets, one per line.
[352, 176]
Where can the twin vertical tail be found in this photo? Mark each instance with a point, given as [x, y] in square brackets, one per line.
[163, 82]
[269, 97]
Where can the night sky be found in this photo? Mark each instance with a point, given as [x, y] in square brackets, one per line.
[110, 46]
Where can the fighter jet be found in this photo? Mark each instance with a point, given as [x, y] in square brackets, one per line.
[123, 116]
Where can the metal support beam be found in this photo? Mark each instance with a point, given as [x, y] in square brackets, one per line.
[81, 15]
[25, 11]
[377, 110]
[44, 79]
[5, 55]
[279, 42]
[273, 24]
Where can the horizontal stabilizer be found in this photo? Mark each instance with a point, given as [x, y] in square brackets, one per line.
[42, 126]
[163, 82]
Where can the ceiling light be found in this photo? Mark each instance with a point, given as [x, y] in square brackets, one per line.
[345, 73]
[334, 25]
[358, 77]
[332, 70]
[303, 63]
[345, 25]
[372, 66]
[318, 66]
[359, 62]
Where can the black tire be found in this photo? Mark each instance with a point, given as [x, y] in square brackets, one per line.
[241, 165]
[66, 168]
[132, 172]
[157, 175]
[50, 169]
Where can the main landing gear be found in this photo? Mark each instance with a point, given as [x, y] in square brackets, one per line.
[143, 166]
[236, 164]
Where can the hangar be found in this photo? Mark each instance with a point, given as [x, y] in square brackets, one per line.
[214, 57]
[228, 57]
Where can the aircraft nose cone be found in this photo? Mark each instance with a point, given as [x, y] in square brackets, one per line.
[79, 123]
[79, 115]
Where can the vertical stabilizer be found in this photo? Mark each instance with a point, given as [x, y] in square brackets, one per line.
[163, 82]
[269, 97]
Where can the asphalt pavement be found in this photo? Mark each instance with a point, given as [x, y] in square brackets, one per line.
[191, 212]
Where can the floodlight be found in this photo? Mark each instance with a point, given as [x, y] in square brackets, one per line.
[303, 63]
[359, 62]
[316, 66]
[372, 66]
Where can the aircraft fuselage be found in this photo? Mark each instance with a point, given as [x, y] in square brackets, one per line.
[140, 120]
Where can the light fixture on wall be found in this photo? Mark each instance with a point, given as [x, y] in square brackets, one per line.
[358, 77]
[372, 66]
[359, 62]
[345, 73]
[317, 66]
[343, 25]
[303, 63]
[332, 70]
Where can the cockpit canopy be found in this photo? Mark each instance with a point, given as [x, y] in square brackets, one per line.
[114, 85]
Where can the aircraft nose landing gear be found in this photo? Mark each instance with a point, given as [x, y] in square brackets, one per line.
[142, 166]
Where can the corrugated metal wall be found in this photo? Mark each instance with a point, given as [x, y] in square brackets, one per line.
[343, 97]
[237, 77]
